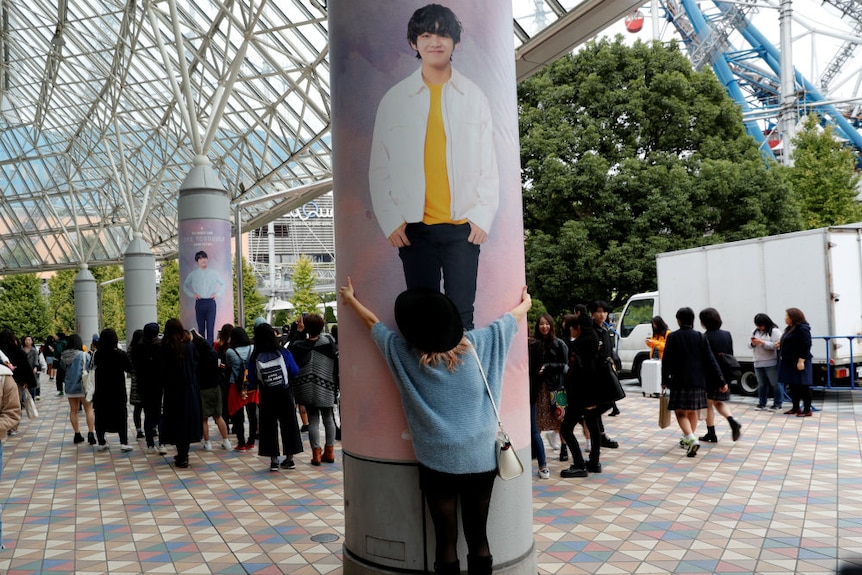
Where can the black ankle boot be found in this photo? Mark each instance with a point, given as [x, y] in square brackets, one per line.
[453, 568]
[480, 565]
[91, 439]
[710, 436]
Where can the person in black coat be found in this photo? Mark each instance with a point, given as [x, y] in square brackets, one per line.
[146, 356]
[794, 367]
[591, 392]
[181, 425]
[721, 343]
[110, 399]
[23, 376]
[685, 367]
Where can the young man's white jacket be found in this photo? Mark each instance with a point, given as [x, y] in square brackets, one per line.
[397, 166]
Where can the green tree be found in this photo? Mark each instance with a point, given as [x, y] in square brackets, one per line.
[304, 298]
[168, 304]
[61, 300]
[23, 308]
[254, 303]
[628, 152]
[824, 177]
[112, 300]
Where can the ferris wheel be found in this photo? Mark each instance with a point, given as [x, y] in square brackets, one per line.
[727, 37]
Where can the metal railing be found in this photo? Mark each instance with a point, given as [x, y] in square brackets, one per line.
[851, 363]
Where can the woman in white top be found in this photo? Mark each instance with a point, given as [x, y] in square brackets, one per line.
[764, 341]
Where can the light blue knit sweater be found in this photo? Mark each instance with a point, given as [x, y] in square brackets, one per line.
[449, 413]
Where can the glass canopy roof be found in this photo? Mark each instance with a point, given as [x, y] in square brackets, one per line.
[105, 104]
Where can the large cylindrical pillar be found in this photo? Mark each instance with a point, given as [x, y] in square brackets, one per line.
[380, 119]
[206, 289]
[86, 304]
[139, 271]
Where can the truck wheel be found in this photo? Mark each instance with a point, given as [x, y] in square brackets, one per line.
[748, 383]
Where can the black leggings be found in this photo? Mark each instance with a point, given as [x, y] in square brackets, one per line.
[441, 494]
[801, 393]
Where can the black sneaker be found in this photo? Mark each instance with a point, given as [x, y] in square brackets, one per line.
[304, 428]
[288, 463]
[608, 442]
[273, 464]
[573, 471]
[139, 435]
[594, 467]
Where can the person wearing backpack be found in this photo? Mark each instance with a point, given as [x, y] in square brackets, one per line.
[271, 368]
[242, 399]
[317, 385]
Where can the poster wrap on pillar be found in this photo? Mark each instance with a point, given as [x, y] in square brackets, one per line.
[206, 286]
[383, 116]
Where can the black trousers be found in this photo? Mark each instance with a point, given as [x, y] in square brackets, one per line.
[442, 251]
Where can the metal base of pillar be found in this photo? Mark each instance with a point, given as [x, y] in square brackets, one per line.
[353, 565]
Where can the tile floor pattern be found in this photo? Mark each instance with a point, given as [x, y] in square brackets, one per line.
[786, 498]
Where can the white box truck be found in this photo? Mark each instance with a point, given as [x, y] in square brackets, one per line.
[818, 271]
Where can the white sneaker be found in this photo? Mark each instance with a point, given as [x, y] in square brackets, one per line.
[102, 447]
[163, 449]
[126, 448]
[544, 473]
[207, 446]
[554, 440]
[225, 444]
[151, 449]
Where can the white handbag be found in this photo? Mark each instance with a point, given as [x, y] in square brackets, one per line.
[509, 465]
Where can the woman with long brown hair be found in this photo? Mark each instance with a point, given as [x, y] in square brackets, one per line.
[794, 369]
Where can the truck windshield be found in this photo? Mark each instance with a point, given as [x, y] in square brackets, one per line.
[637, 312]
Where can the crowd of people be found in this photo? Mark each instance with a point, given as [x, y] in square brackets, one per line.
[179, 383]
[573, 378]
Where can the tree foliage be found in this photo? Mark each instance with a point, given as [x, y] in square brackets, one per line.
[168, 299]
[304, 298]
[23, 308]
[61, 300]
[627, 152]
[254, 303]
[824, 177]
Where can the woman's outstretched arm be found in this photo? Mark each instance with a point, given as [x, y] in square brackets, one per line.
[348, 297]
[520, 310]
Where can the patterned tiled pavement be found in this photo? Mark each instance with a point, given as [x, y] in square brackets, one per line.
[785, 498]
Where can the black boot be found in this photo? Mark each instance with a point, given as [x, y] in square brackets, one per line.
[91, 439]
[710, 436]
[453, 568]
[564, 453]
[735, 428]
[480, 565]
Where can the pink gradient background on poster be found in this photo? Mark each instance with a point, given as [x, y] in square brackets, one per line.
[369, 53]
[213, 237]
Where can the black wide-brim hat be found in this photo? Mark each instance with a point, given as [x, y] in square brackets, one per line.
[428, 320]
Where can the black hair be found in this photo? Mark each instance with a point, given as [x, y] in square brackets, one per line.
[313, 324]
[710, 318]
[547, 340]
[435, 19]
[595, 305]
[108, 339]
[764, 320]
[201, 254]
[583, 322]
[239, 338]
[685, 316]
[264, 339]
[74, 341]
[659, 325]
[581, 309]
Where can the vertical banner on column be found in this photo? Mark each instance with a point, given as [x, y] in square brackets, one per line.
[394, 93]
[206, 287]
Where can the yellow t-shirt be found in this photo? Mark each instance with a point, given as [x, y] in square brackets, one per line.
[438, 199]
